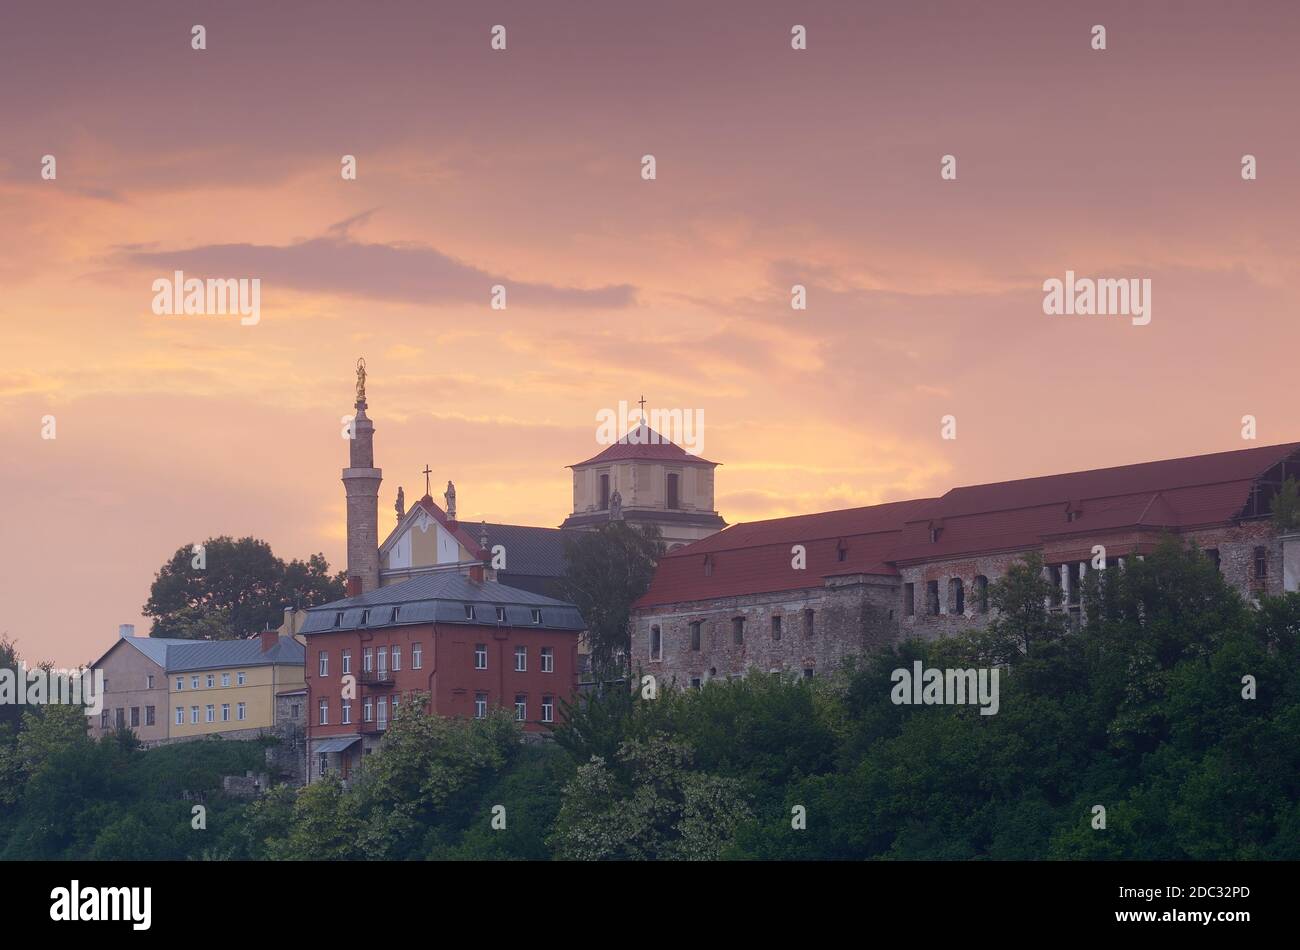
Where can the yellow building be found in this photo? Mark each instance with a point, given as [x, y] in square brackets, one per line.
[225, 686]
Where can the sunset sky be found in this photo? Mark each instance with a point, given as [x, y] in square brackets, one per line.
[523, 167]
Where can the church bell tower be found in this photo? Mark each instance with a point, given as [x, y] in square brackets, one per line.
[361, 482]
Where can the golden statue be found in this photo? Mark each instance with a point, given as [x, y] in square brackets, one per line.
[361, 380]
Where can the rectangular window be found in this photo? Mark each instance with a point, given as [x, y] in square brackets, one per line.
[521, 659]
[395, 698]
[241, 711]
[397, 659]
[480, 656]
[210, 713]
[225, 679]
[672, 495]
[776, 626]
[932, 598]
[909, 600]
[382, 656]
[417, 656]
[548, 709]
[548, 660]
[1213, 555]
[469, 611]
[194, 715]
[367, 659]
[239, 678]
[381, 720]
[324, 663]
[323, 713]
[225, 712]
[604, 493]
[537, 614]
[807, 672]
[696, 683]
[521, 707]
[480, 705]
[211, 681]
[135, 717]
[368, 710]
[322, 764]
[656, 643]
[737, 629]
[347, 661]
[1261, 563]
[696, 625]
[180, 715]
[149, 716]
[194, 682]
[346, 714]
[501, 615]
[180, 683]
[120, 715]
[103, 719]
[809, 622]
[149, 681]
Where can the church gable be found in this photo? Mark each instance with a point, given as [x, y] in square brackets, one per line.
[421, 540]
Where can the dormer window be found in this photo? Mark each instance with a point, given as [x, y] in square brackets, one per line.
[469, 611]
[537, 615]
[396, 612]
[501, 615]
[365, 617]
[338, 619]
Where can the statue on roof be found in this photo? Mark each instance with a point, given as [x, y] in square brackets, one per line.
[401, 504]
[361, 382]
[450, 496]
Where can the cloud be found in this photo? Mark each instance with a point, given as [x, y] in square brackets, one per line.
[337, 263]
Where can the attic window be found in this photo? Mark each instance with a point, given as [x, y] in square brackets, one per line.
[469, 611]
[338, 619]
[1073, 511]
[396, 612]
[934, 534]
[365, 617]
[501, 615]
[842, 551]
[708, 565]
[537, 615]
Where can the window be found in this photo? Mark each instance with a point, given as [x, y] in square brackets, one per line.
[397, 659]
[521, 659]
[537, 615]
[656, 643]
[381, 720]
[367, 659]
[776, 626]
[1261, 563]
[120, 716]
[480, 656]
[397, 612]
[338, 619]
[194, 682]
[1213, 555]
[809, 622]
[841, 552]
[956, 596]
[909, 600]
[708, 565]
[135, 717]
[149, 681]
[365, 617]
[368, 710]
[347, 661]
[225, 679]
[210, 713]
[501, 615]
[1054, 575]
[324, 663]
[932, 598]
[241, 711]
[150, 716]
[548, 660]
[346, 714]
[696, 683]
[695, 635]
[103, 719]
[323, 764]
[323, 713]
[239, 678]
[293, 710]
[469, 611]
[807, 672]
[737, 629]
[672, 500]
[981, 594]
[180, 715]
[381, 655]
[480, 705]
[548, 709]
[1072, 577]
[225, 712]
[521, 707]
[604, 492]
[417, 656]
[194, 715]
[395, 705]
[211, 681]
[180, 683]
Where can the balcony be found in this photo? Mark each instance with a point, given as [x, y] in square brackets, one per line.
[375, 727]
[376, 678]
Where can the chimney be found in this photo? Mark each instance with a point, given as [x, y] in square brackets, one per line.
[290, 621]
[476, 574]
[269, 639]
[126, 630]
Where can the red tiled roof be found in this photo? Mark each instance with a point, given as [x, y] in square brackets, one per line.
[756, 557]
[644, 444]
[1002, 516]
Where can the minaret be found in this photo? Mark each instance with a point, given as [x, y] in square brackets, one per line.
[361, 482]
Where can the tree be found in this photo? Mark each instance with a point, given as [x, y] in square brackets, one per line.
[1286, 506]
[233, 589]
[607, 570]
[1022, 619]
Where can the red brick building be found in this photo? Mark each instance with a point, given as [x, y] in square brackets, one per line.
[470, 643]
[747, 597]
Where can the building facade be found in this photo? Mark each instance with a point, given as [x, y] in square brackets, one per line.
[169, 690]
[470, 644]
[798, 595]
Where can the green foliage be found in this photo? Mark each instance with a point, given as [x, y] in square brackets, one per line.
[1286, 506]
[607, 569]
[240, 589]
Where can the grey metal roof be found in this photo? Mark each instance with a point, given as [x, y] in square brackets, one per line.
[218, 654]
[442, 597]
[333, 745]
[155, 648]
[535, 551]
